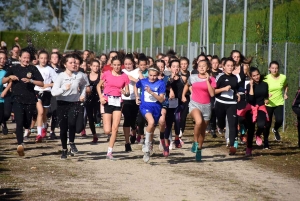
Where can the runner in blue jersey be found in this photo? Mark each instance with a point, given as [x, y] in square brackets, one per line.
[150, 100]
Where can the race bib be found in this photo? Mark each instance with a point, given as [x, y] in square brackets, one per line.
[173, 103]
[114, 101]
[149, 98]
[227, 94]
[246, 83]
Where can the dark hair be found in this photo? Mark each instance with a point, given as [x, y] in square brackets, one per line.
[131, 58]
[242, 57]
[160, 61]
[160, 54]
[78, 57]
[174, 61]
[43, 52]
[150, 58]
[171, 52]
[142, 57]
[59, 55]
[116, 58]
[222, 60]
[274, 62]
[253, 69]
[113, 52]
[103, 55]
[15, 46]
[215, 57]
[229, 59]
[95, 60]
[185, 59]
[23, 51]
[64, 60]
[195, 62]
[3, 52]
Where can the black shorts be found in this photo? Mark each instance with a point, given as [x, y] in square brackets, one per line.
[45, 97]
[109, 109]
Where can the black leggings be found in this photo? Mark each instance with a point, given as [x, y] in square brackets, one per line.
[229, 110]
[67, 114]
[173, 115]
[7, 108]
[92, 110]
[141, 121]
[297, 111]
[23, 116]
[278, 113]
[130, 111]
[183, 114]
[81, 118]
[260, 121]
[1, 113]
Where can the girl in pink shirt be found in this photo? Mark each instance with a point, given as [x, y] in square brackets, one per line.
[202, 88]
[114, 81]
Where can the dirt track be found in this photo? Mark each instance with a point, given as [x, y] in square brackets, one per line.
[41, 175]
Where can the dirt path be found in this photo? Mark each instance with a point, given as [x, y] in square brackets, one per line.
[41, 175]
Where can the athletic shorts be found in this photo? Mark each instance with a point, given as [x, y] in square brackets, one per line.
[45, 97]
[109, 109]
[154, 110]
[204, 108]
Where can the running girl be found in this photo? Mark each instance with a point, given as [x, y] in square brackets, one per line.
[150, 101]
[278, 89]
[114, 81]
[43, 94]
[69, 88]
[24, 77]
[199, 107]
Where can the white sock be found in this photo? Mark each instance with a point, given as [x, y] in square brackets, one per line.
[109, 150]
[147, 137]
[26, 133]
[39, 130]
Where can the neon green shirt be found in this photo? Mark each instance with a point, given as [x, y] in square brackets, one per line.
[276, 87]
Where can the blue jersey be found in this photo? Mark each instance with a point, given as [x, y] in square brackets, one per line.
[2, 74]
[157, 87]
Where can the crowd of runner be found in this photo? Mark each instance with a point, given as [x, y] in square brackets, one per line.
[223, 96]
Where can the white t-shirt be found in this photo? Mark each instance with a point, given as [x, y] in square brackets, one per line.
[48, 74]
[135, 74]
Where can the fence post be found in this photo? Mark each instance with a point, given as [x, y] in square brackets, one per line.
[285, 67]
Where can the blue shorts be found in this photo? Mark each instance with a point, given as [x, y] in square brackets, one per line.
[154, 110]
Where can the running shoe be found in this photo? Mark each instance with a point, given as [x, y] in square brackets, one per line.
[69, 153]
[180, 134]
[242, 129]
[138, 139]
[98, 125]
[73, 148]
[109, 156]
[258, 141]
[220, 131]
[244, 139]
[141, 141]
[236, 143]
[277, 135]
[146, 147]
[161, 145]
[213, 134]
[25, 139]
[52, 136]
[227, 142]
[44, 132]
[198, 155]
[83, 133]
[64, 154]
[95, 139]
[146, 157]
[194, 147]
[248, 152]
[232, 151]
[166, 152]
[4, 129]
[266, 146]
[132, 139]
[178, 144]
[38, 139]
[20, 150]
[32, 130]
[181, 141]
[128, 147]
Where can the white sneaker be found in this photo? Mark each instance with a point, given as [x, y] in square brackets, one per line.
[227, 142]
[180, 134]
[160, 146]
[25, 139]
[146, 147]
[146, 157]
[141, 142]
[171, 145]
